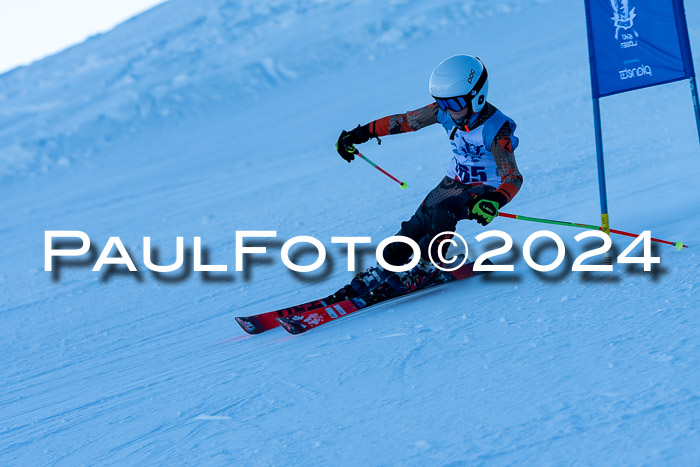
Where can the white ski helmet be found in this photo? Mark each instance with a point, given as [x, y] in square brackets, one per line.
[458, 82]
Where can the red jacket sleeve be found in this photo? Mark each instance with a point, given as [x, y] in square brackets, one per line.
[511, 178]
[404, 123]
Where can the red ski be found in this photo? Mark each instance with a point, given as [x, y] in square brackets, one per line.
[302, 322]
[264, 321]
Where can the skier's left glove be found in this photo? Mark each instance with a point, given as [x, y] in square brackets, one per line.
[484, 208]
[348, 139]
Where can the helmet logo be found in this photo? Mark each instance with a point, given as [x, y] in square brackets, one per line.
[471, 76]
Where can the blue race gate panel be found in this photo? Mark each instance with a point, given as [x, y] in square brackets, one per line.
[634, 44]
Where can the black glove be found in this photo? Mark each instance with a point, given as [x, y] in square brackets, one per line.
[348, 139]
[484, 208]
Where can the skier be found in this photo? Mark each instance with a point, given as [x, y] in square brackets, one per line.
[482, 178]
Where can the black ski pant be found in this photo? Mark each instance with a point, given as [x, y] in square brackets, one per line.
[440, 211]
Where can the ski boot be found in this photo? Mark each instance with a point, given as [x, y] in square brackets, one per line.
[423, 274]
[361, 284]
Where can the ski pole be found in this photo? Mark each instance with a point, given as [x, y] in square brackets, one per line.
[403, 184]
[678, 245]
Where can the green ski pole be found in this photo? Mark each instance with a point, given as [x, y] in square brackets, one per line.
[678, 245]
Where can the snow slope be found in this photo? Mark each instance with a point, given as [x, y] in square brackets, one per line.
[203, 118]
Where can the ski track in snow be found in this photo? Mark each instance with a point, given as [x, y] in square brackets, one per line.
[168, 136]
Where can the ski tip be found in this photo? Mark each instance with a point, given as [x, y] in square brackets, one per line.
[248, 325]
[290, 325]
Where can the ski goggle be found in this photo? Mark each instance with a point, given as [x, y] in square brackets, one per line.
[452, 103]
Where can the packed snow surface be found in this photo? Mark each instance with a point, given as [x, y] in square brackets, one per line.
[203, 118]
